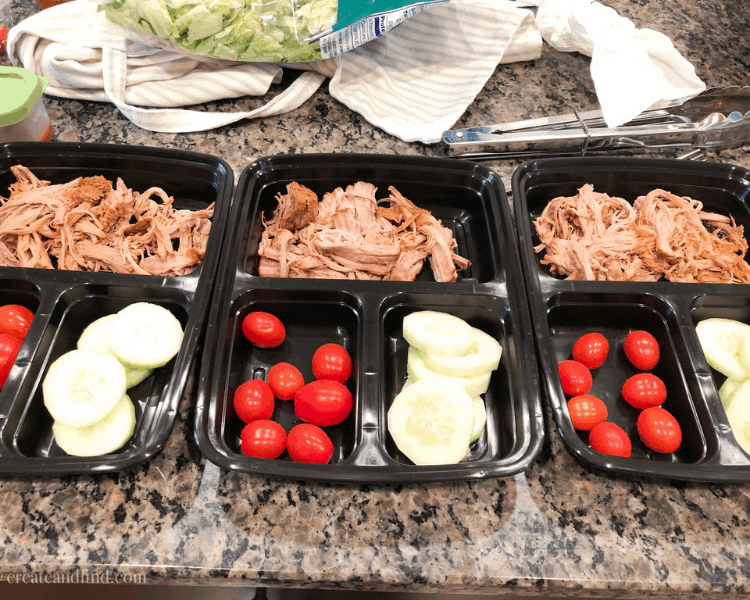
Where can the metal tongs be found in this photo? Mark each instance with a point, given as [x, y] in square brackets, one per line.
[716, 118]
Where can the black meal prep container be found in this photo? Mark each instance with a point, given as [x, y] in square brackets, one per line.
[564, 310]
[366, 318]
[64, 302]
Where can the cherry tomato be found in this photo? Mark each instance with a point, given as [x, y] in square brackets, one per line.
[611, 439]
[591, 350]
[309, 444]
[9, 347]
[576, 378]
[263, 439]
[324, 402]
[642, 350]
[644, 390]
[263, 329]
[15, 320]
[253, 400]
[332, 361]
[285, 380]
[659, 430]
[586, 411]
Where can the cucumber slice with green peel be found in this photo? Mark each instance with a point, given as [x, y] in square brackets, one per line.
[417, 370]
[721, 341]
[738, 415]
[480, 418]
[145, 336]
[83, 386]
[135, 376]
[438, 333]
[108, 435]
[432, 421]
[483, 355]
[727, 390]
[96, 335]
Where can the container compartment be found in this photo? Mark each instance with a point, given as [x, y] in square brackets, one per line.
[503, 433]
[457, 197]
[365, 317]
[28, 429]
[572, 315]
[65, 301]
[310, 320]
[721, 188]
[563, 309]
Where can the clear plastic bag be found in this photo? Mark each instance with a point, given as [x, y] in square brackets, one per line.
[261, 30]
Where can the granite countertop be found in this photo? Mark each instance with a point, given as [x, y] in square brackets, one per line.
[559, 528]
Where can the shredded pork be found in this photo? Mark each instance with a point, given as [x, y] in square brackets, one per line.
[349, 235]
[89, 225]
[593, 236]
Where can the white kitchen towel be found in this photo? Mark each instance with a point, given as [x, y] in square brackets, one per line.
[89, 58]
[633, 69]
[414, 82]
[419, 79]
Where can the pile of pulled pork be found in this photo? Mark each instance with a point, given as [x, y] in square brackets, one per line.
[347, 235]
[592, 236]
[89, 225]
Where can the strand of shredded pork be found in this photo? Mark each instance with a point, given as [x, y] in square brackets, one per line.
[593, 236]
[89, 225]
[347, 235]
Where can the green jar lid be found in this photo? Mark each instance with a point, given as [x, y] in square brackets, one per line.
[20, 91]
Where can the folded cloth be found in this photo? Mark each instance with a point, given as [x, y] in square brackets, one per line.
[633, 69]
[87, 57]
[419, 79]
[413, 82]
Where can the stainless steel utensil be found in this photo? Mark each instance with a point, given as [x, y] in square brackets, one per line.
[717, 118]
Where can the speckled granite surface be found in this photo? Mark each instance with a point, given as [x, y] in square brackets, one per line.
[559, 529]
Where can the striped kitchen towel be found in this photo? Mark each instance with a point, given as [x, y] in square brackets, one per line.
[414, 82]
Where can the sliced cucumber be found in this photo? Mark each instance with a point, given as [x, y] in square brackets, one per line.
[721, 340]
[432, 421]
[108, 435]
[96, 335]
[480, 418]
[727, 390]
[83, 386]
[483, 355]
[738, 415]
[145, 336]
[417, 371]
[438, 333]
[135, 376]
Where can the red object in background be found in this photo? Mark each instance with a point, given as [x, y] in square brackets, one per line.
[48, 3]
[3, 37]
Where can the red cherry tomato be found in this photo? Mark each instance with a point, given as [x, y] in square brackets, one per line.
[15, 320]
[253, 400]
[263, 439]
[285, 380]
[324, 402]
[642, 350]
[309, 444]
[332, 361]
[9, 347]
[611, 439]
[263, 329]
[644, 390]
[591, 350]
[586, 411]
[659, 430]
[576, 378]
